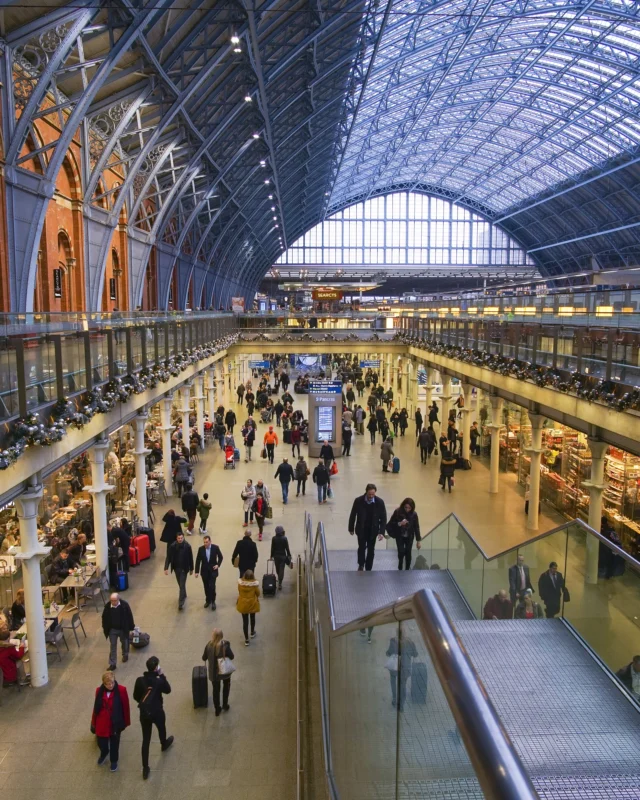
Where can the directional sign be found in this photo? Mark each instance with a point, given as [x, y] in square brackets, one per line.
[370, 364]
[325, 387]
[259, 365]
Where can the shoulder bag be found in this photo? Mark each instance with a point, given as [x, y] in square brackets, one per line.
[226, 667]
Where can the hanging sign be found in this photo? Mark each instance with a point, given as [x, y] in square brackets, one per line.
[327, 294]
[373, 364]
[57, 282]
[325, 387]
[112, 288]
[237, 305]
[259, 365]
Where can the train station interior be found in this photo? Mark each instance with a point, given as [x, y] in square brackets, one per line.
[320, 399]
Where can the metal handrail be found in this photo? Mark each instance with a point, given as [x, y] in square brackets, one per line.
[299, 764]
[564, 526]
[327, 579]
[498, 767]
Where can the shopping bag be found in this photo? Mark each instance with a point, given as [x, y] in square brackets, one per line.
[329, 491]
[263, 454]
[334, 469]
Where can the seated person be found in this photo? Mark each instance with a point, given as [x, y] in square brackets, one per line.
[10, 540]
[62, 567]
[18, 613]
[78, 548]
[11, 659]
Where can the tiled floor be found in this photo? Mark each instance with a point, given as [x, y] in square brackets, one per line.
[45, 743]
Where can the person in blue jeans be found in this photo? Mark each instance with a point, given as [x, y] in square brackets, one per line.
[322, 479]
[285, 474]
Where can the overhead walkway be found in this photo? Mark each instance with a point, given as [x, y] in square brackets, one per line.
[571, 727]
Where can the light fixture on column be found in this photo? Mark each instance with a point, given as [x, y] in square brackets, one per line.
[247, 98]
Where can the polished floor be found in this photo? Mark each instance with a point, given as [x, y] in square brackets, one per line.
[45, 742]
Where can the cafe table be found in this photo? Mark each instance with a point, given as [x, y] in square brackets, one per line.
[22, 630]
[76, 582]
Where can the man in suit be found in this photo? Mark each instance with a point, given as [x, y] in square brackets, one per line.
[550, 587]
[519, 580]
[367, 520]
[208, 560]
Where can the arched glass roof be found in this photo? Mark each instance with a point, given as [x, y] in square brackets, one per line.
[493, 100]
[410, 233]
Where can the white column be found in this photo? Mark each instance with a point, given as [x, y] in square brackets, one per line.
[139, 422]
[414, 389]
[387, 370]
[466, 420]
[211, 392]
[446, 399]
[429, 392]
[225, 382]
[199, 398]
[596, 486]
[166, 429]
[185, 397]
[394, 378]
[99, 489]
[31, 552]
[495, 427]
[535, 451]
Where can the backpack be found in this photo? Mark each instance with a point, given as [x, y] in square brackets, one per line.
[145, 705]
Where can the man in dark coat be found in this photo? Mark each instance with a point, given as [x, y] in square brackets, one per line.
[550, 588]
[367, 520]
[519, 580]
[190, 501]
[208, 560]
[180, 559]
[499, 606]
[147, 693]
[630, 676]
[117, 623]
[246, 551]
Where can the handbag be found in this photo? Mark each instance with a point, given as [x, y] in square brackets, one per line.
[392, 663]
[225, 665]
[236, 561]
[329, 491]
[263, 454]
[334, 469]
[268, 514]
[565, 594]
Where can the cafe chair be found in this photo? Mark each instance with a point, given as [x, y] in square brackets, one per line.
[55, 637]
[73, 625]
[90, 592]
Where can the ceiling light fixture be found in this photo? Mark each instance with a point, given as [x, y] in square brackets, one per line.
[270, 197]
[256, 135]
[235, 39]
[267, 181]
[263, 163]
[247, 98]
[237, 49]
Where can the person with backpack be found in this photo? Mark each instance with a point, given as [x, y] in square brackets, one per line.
[301, 475]
[245, 554]
[248, 603]
[280, 553]
[109, 718]
[190, 503]
[204, 509]
[147, 693]
[217, 650]
[404, 527]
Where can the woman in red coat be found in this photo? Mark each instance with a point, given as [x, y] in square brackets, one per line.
[110, 717]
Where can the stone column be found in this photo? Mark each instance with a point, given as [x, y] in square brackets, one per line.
[446, 400]
[414, 388]
[387, 370]
[31, 553]
[199, 398]
[394, 378]
[225, 382]
[139, 422]
[466, 421]
[535, 451]
[99, 489]
[596, 486]
[166, 429]
[495, 427]
[211, 392]
[185, 396]
[429, 393]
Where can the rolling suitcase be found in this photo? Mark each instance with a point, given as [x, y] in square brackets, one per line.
[139, 639]
[396, 465]
[287, 436]
[236, 454]
[134, 558]
[142, 545]
[418, 683]
[142, 531]
[269, 580]
[199, 687]
[123, 581]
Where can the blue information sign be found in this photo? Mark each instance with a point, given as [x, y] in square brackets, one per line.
[325, 387]
[373, 364]
[259, 365]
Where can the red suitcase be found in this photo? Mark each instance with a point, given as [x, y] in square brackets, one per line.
[141, 543]
[134, 558]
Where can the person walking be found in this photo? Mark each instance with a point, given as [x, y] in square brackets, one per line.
[204, 509]
[386, 454]
[447, 467]
[117, 623]
[111, 715]
[182, 474]
[249, 440]
[172, 527]
[208, 560]
[230, 420]
[394, 419]
[284, 473]
[245, 554]
[147, 693]
[433, 413]
[368, 519]
[360, 416]
[270, 442]
[404, 527]
[180, 560]
[296, 438]
[419, 421]
[326, 453]
[190, 503]
[403, 421]
[280, 553]
[248, 603]
[301, 475]
[215, 650]
[423, 444]
[248, 495]
[347, 434]
[240, 393]
[551, 589]
[260, 510]
[372, 427]
[474, 435]
[322, 480]
[278, 408]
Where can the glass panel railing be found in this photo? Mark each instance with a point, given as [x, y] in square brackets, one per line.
[466, 566]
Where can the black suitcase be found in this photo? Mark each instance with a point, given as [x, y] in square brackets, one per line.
[287, 436]
[151, 534]
[139, 639]
[269, 580]
[418, 683]
[199, 687]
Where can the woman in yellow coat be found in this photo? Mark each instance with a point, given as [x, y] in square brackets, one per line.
[248, 603]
